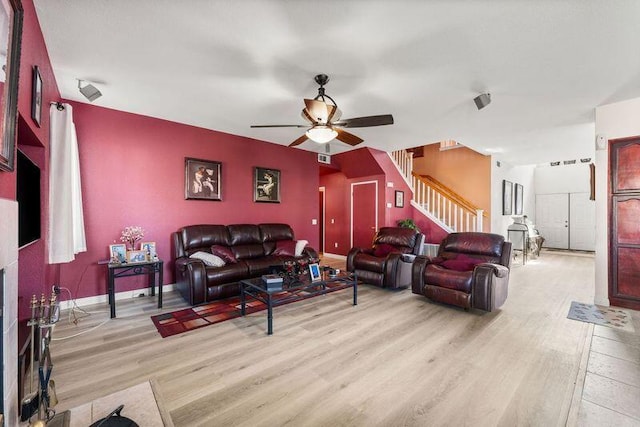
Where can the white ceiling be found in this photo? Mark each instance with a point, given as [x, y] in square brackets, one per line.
[225, 65]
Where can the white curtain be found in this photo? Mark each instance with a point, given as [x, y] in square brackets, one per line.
[66, 220]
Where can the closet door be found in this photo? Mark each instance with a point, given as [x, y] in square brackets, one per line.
[624, 211]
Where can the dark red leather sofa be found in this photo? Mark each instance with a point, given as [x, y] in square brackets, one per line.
[254, 247]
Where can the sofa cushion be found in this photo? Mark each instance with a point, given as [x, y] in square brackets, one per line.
[224, 253]
[285, 247]
[437, 275]
[200, 237]
[368, 262]
[461, 263]
[485, 244]
[244, 234]
[227, 273]
[404, 239]
[208, 259]
[275, 232]
[381, 251]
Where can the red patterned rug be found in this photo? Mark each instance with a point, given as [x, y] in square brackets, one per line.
[188, 319]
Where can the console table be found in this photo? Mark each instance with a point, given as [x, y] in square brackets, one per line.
[152, 269]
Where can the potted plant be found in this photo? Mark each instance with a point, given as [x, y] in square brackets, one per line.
[408, 223]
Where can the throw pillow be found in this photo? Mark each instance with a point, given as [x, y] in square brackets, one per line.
[285, 247]
[384, 249]
[208, 259]
[224, 253]
[300, 244]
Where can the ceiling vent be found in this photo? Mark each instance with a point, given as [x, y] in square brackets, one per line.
[324, 158]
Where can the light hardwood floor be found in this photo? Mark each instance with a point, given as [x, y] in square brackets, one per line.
[395, 359]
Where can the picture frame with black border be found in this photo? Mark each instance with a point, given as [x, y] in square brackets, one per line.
[36, 96]
[314, 272]
[507, 197]
[399, 199]
[202, 179]
[519, 194]
[266, 185]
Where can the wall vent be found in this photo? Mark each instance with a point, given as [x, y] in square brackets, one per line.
[324, 158]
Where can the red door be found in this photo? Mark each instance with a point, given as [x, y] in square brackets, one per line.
[624, 280]
[321, 220]
[364, 213]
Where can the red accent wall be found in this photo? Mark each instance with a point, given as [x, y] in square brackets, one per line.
[34, 276]
[132, 170]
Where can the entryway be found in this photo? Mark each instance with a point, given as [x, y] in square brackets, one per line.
[566, 220]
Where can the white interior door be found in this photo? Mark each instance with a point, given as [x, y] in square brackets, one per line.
[552, 219]
[582, 222]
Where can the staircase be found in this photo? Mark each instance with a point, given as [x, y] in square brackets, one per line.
[436, 201]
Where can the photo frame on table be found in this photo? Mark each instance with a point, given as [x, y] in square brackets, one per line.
[314, 272]
[519, 199]
[118, 253]
[507, 197]
[149, 247]
[266, 185]
[202, 179]
[136, 256]
[399, 199]
[36, 96]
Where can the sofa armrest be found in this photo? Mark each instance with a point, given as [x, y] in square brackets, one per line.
[490, 285]
[417, 274]
[352, 254]
[191, 279]
[310, 253]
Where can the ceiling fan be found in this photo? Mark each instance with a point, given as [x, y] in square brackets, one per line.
[325, 123]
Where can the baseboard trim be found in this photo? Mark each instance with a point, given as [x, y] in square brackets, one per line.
[102, 299]
[334, 255]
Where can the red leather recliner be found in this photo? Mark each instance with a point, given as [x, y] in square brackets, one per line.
[470, 271]
[388, 262]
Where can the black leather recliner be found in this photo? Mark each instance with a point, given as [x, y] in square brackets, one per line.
[387, 263]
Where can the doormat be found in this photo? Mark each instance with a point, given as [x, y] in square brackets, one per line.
[188, 319]
[606, 316]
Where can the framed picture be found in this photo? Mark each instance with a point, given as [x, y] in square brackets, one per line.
[266, 185]
[11, 14]
[399, 199]
[117, 253]
[136, 256]
[149, 248]
[202, 179]
[314, 272]
[36, 96]
[518, 199]
[507, 197]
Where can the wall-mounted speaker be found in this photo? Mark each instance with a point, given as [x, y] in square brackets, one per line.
[482, 100]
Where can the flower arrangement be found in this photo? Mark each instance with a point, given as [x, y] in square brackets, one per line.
[130, 235]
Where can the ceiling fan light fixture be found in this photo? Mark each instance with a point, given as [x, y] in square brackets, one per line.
[321, 134]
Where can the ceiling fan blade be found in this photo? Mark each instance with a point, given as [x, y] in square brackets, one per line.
[298, 141]
[305, 115]
[279, 126]
[347, 137]
[368, 121]
[318, 110]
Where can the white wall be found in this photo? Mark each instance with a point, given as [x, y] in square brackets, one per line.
[562, 178]
[516, 174]
[619, 120]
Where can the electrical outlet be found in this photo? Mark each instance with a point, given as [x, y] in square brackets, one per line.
[335, 244]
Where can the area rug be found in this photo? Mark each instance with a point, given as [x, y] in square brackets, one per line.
[188, 319]
[606, 316]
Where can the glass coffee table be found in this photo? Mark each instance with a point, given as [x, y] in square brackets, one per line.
[294, 290]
